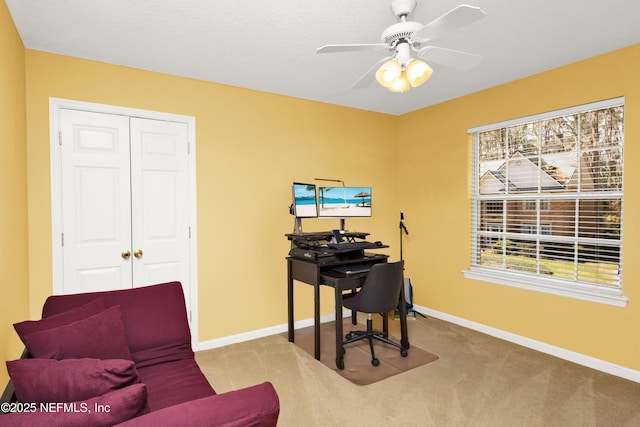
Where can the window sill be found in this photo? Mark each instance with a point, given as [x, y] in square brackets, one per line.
[591, 293]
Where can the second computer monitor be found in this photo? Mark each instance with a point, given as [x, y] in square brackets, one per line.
[344, 202]
[305, 204]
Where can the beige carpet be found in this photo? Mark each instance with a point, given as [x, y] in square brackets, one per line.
[478, 381]
[357, 359]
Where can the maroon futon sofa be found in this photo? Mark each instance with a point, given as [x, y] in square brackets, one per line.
[125, 356]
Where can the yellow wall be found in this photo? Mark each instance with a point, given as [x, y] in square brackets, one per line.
[417, 163]
[250, 147]
[435, 198]
[14, 286]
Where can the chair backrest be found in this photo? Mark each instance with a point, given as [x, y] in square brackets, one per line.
[381, 290]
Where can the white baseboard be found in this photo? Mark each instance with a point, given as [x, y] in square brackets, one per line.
[571, 356]
[259, 333]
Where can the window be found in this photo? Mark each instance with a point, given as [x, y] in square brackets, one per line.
[547, 202]
[494, 208]
[531, 205]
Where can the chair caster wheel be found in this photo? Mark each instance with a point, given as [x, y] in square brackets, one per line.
[404, 353]
[375, 361]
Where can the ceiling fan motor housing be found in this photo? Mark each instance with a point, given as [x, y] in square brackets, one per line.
[400, 31]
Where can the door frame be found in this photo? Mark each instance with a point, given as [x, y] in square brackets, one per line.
[58, 104]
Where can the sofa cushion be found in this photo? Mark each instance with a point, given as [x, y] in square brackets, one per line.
[171, 383]
[78, 313]
[106, 410]
[155, 318]
[101, 336]
[69, 380]
[254, 406]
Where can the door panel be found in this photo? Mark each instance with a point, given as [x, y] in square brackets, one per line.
[99, 279]
[160, 202]
[96, 203]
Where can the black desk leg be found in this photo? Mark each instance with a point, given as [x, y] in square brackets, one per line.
[316, 316]
[339, 329]
[403, 319]
[385, 324]
[290, 301]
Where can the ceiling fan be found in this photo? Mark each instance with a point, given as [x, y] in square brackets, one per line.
[400, 71]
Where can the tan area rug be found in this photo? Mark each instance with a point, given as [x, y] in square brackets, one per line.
[357, 359]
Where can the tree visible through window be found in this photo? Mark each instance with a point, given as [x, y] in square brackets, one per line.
[547, 197]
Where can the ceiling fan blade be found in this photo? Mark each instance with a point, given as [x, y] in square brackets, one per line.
[449, 57]
[452, 20]
[367, 78]
[331, 48]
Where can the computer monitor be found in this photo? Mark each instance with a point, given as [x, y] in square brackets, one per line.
[344, 202]
[305, 203]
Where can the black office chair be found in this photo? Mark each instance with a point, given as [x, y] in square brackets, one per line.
[380, 293]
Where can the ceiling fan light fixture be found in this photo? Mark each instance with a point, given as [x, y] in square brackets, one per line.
[400, 72]
[388, 73]
[401, 84]
[418, 72]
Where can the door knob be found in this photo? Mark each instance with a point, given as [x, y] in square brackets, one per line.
[126, 254]
[137, 253]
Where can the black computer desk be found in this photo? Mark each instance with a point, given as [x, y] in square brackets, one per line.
[318, 269]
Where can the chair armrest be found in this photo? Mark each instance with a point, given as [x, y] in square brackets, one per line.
[255, 406]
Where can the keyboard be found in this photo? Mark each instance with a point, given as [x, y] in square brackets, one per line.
[353, 269]
[352, 245]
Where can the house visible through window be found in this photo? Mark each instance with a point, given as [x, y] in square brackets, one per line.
[547, 202]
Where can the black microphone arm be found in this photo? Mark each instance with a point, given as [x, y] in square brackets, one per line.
[402, 227]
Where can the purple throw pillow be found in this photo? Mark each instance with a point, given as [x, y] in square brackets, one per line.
[69, 380]
[111, 408]
[30, 326]
[101, 336]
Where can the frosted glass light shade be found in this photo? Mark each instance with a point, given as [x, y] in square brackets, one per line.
[388, 73]
[418, 72]
[401, 84]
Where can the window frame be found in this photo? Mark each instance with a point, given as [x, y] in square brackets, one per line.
[611, 295]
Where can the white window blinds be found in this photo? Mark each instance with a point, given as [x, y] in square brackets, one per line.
[547, 202]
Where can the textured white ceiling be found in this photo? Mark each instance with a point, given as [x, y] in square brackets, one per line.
[269, 45]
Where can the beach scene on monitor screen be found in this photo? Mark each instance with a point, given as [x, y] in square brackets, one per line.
[305, 200]
[344, 201]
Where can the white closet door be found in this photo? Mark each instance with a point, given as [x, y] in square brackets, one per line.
[96, 201]
[160, 202]
[125, 207]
